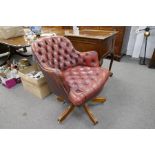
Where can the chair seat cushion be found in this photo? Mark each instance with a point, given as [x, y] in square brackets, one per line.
[84, 82]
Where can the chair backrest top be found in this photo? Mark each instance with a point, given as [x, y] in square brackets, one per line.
[56, 52]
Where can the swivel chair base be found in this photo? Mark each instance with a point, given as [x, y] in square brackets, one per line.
[70, 108]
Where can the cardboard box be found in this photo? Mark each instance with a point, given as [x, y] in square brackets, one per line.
[37, 87]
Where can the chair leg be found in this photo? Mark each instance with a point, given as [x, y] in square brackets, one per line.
[60, 98]
[90, 114]
[99, 100]
[111, 74]
[66, 113]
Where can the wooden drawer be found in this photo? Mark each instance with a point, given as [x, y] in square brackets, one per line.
[83, 44]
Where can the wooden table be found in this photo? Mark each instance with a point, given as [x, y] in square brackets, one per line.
[13, 45]
[98, 40]
[22, 41]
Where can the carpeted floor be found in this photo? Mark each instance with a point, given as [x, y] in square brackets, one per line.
[130, 103]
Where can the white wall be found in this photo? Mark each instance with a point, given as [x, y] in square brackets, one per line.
[136, 43]
[132, 39]
[126, 39]
[139, 41]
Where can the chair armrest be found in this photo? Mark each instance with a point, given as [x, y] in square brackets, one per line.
[57, 76]
[55, 71]
[90, 58]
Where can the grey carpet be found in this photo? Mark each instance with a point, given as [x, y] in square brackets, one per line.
[130, 103]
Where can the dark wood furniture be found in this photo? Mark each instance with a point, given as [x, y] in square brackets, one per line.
[4, 49]
[15, 45]
[119, 36]
[152, 61]
[97, 40]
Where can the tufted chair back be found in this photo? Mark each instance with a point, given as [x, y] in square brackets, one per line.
[56, 52]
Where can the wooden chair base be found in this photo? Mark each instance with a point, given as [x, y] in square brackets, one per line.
[60, 98]
[99, 100]
[90, 114]
[71, 108]
[66, 113]
[95, 100]
[85, 107]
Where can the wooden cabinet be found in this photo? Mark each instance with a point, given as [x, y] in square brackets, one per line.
[119, 36]
[152, 61]
[94, 40]
[98, 40]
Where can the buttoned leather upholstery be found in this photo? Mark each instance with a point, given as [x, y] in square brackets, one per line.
[73, 75]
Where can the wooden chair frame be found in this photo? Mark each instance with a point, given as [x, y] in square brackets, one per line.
[71, 107]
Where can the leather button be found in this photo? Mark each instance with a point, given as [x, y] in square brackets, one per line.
[53, 48]
[67, 44]
[46, 42]
[66, 52]
[39, 44]
[39, 53]
[43, 61]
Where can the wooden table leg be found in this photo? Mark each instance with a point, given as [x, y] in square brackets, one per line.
[6, 60]
[5, 54]
[18, 52]
[112, 55]
[111, 61]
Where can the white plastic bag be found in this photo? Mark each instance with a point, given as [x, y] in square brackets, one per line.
[7, 32]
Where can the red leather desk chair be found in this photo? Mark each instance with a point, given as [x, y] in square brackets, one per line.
[75, 77]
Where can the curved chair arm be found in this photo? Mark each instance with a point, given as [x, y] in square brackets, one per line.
[55, 71]
[90, 58]
[57, 76]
